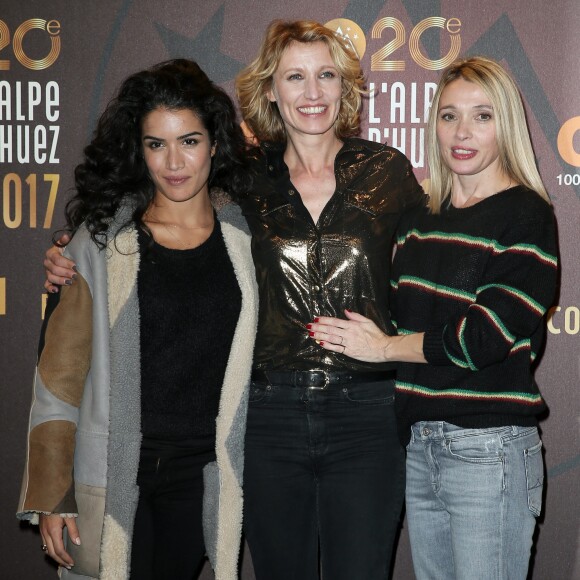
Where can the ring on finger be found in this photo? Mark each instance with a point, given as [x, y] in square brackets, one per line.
[44, 547]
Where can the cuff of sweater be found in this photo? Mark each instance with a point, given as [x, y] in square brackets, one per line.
[434, 348]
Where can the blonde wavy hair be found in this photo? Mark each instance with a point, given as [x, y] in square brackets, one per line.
[253, 83]
[516, 154]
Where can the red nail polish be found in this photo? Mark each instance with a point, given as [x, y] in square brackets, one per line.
[348, 309]
[311, 333]
[316, 319]
[309, 326]
[321, 343]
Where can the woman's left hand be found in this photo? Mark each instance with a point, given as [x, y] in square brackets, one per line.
[357, 337]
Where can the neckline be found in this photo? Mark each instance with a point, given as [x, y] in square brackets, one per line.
[485, 201]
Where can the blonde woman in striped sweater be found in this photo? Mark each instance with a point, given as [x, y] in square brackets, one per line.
[473, 277]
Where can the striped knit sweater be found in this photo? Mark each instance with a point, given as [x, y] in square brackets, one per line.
[478, 281]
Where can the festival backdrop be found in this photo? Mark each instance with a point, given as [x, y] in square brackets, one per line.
[61, 61]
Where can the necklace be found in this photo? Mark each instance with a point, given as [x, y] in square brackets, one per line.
[179, 226]
[183, 244]
[151, 219]
[187, 244]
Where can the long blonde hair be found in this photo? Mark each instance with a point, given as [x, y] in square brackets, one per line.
[254, 82]
[516, 154]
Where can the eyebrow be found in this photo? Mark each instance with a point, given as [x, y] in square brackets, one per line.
[452, 106]
[299, 68]
[177, 138]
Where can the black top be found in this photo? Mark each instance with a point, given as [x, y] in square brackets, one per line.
[305, 269]
[478, 281]
[189, 302]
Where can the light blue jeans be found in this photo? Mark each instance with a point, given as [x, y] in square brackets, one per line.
[472, 498]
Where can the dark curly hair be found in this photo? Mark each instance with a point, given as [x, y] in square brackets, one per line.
[114, 172]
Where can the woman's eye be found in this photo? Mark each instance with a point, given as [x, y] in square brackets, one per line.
[328, 74]
[154, 144]
[484, 117]
[447, 117]
[190, 141]
[295, 77]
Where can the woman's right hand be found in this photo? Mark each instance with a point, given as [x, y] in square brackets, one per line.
[51, 527]
[59, 270]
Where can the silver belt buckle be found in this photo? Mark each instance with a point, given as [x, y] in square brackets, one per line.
[326, 379]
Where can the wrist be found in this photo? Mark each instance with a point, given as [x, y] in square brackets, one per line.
[388, 355]
[406, 348]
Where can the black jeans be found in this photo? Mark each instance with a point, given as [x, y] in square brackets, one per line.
[167, 536]
[323, 468]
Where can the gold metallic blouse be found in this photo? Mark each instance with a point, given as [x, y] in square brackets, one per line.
[305, 269]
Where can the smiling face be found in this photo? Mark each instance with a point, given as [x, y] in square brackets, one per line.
[466, 131]
[177, 151]
[307, 89]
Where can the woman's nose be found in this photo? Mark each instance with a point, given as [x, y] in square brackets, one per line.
[463, 129]
[312, 89]
[174, 158]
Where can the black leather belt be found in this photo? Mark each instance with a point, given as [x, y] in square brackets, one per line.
[319, 379]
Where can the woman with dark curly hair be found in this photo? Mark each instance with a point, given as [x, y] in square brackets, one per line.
[138, 415]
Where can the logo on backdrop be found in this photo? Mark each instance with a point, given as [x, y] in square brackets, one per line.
[398, 110]
[569, 131]
[29, 129]
[29, 126]
[50, 28]
[351, 33]
[564, 319]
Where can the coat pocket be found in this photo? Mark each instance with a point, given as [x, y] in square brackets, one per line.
[91, 506]
[534, 477]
